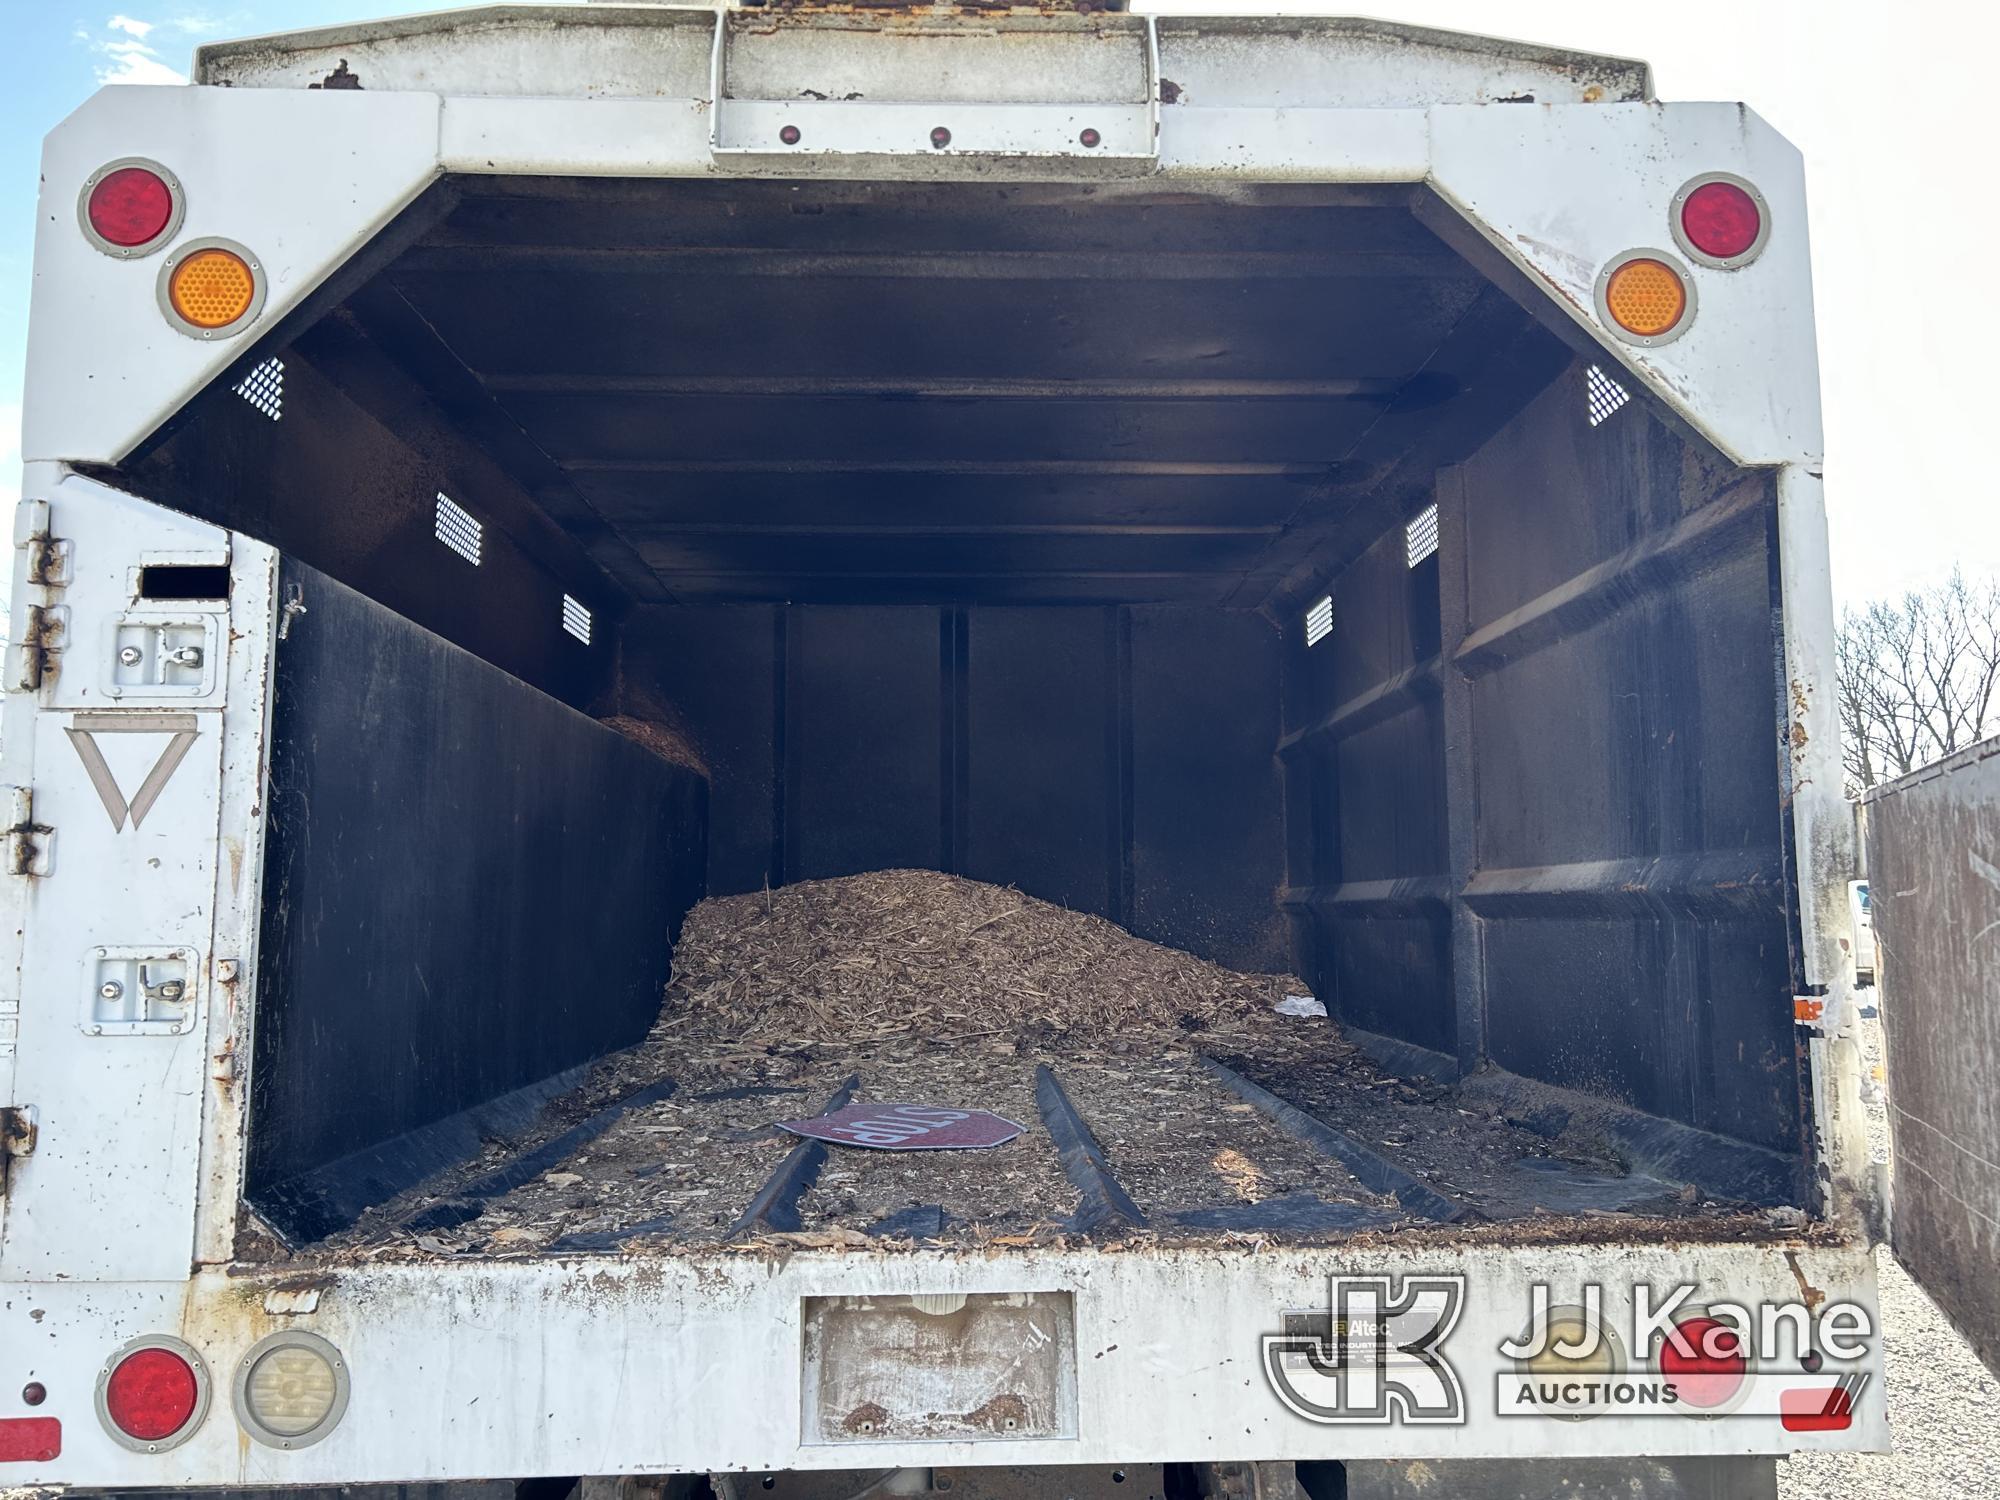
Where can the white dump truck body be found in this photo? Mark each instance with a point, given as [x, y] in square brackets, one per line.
[150, 743]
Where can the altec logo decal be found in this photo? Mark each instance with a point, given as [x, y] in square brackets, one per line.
[1378, 1355]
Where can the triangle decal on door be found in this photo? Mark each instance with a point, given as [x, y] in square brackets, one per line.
[83, 731]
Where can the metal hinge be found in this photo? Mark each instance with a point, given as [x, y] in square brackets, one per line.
[40, 625]
[31, 846]
[48, 554]
[19, 1129]
[34, 655]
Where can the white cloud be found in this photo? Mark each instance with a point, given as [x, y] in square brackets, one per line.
[198, 23]
[127, 58]
[134, 68]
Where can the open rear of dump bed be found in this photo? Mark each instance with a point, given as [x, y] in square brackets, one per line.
[990, 529]
[1261, 542]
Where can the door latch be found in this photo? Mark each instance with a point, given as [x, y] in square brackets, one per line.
[140, 992]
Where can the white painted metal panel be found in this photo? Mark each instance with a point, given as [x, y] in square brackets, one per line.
[1562, 191]
[110, 1191]
[575, 137]
[650, 1365]
[17, 775]
[1823, 838]
[1295, 145]
[503, 51]
[913, 59]
[1120, 130]
[254, 621]
[332, 167]
[1356, 63]
[301, 179]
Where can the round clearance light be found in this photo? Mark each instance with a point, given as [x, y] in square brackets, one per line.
[1707, 1363]
[130, 207]
[1573, 1348]
[1644, 297]
[291, 1390]
[211, 288]
[1721, 221]
[152, 1394]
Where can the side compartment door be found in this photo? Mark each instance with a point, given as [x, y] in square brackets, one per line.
[113, 732]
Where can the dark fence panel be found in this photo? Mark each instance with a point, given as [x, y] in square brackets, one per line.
[1934, 876]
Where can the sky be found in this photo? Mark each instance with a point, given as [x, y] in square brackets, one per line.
[1898, 153]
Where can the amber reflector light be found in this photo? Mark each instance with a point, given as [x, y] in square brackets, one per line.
[212, 288]
[1646, 297]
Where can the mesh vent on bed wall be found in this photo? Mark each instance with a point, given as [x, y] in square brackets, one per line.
[457, 529]
[1420, 537]
[1319, 621]
[576, 618]
[1601, 395]
[264, 387]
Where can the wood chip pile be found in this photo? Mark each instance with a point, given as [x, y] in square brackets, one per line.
[916, 953]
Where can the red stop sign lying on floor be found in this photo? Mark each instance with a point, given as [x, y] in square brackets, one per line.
[907, 1127]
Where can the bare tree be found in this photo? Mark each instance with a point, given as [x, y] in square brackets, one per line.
[1919, 677]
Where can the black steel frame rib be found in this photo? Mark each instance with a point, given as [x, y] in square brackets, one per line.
[1105, 1205]
[471, 1201]
[1373, 1171]
[775, 1209]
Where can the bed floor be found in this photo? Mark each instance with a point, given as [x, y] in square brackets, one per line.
[1278, 1129]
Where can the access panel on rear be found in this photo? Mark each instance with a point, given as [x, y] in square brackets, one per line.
[1534, 775]
[469, 890]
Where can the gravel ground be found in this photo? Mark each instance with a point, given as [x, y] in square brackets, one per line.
[1944, 1409]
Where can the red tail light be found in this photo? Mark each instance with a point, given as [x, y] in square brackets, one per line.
[1721, 220]
[153, 1393]
[1709, 1367]
[130, 208]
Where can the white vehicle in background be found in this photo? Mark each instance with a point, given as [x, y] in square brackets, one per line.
[1863, 927]
[1323, 494]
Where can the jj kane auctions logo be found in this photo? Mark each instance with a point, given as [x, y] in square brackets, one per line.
[1377, 1355]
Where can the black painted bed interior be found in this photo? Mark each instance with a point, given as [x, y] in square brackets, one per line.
[973, 527]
